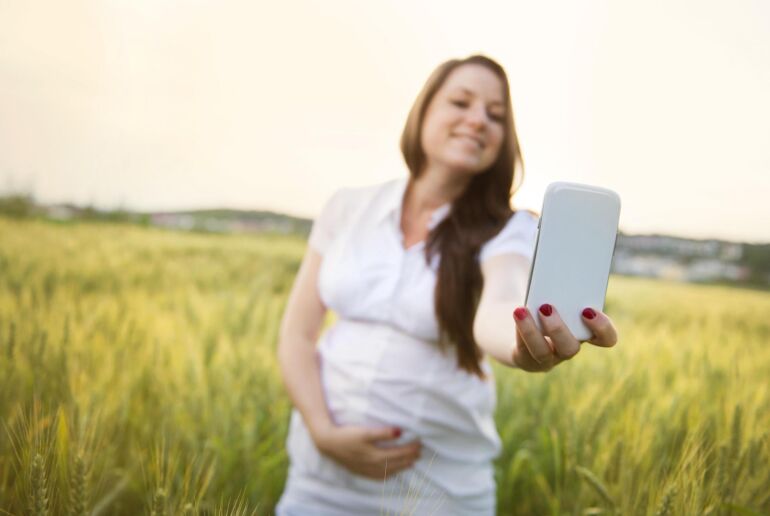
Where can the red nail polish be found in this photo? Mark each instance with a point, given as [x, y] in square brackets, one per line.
[520, 313]
[546, 309]
[588, 313]
[397, 433]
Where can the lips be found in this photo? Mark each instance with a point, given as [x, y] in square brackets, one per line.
[471, 138]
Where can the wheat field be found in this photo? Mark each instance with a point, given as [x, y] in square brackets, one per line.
[138, 375]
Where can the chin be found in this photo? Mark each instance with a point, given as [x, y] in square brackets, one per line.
[471, 167]
[467, 163]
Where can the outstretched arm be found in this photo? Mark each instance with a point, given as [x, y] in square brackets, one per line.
[505, 285]
[511, 336]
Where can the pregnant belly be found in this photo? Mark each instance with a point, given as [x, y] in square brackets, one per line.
[375, 375]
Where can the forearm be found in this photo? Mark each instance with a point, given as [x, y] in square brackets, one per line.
[495, 331]
[299, 362]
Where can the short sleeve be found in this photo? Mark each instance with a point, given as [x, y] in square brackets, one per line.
[327, 224]
[517, 236]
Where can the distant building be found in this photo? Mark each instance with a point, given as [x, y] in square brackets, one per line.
[61, 212]
[666, 245]
[173, 220]
[679, 259]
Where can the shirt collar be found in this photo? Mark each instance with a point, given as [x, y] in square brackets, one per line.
[394, 199]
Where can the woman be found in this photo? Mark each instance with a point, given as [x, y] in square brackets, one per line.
[394, 410]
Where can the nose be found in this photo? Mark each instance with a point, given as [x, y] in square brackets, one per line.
[477, 116]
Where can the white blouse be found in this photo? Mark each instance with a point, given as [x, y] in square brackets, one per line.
[380, 362]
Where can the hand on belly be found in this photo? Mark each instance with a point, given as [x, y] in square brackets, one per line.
[368, 451]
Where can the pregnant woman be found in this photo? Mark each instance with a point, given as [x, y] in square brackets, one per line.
[394, 404]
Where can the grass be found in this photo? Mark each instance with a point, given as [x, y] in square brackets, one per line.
[138, 375]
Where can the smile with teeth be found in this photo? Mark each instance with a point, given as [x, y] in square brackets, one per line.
[472, 139]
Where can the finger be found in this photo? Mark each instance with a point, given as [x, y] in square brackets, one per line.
[386, 466]
[601, 326]
[565, 344]
[410, 451]
[382, 471]
[534, 341]
[382, 434]
[396, 466]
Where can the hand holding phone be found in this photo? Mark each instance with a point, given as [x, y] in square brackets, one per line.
[575, 243]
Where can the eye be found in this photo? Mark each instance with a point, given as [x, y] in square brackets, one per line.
[460, 103]
[496, 117]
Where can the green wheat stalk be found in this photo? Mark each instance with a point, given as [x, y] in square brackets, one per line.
[39, 487]
[78, 488]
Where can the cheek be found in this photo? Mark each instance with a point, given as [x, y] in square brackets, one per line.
[426, 140]
[432, 136]
[496, 141]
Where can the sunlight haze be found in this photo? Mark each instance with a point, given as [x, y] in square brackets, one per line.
[154, 105]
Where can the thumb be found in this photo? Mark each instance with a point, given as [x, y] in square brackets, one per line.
[377, 434]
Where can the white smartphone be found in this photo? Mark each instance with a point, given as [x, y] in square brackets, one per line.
[573, 254]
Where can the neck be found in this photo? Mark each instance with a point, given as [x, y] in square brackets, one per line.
[434, 188]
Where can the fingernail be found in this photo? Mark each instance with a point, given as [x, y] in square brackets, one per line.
[520, 313]
[397, 432]
[546, 309]
[588, 313]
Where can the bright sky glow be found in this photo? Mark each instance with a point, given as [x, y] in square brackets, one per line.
[273, 105]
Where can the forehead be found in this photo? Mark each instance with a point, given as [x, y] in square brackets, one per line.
[476, 79]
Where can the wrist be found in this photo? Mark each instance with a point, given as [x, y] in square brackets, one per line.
[320, 431]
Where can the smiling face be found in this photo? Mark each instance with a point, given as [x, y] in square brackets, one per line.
[463, 127]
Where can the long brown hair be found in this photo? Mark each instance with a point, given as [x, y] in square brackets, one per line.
[476, 216]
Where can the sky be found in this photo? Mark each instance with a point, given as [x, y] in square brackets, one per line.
[161, 104]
